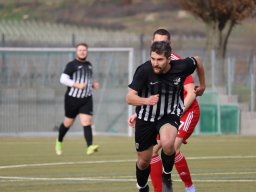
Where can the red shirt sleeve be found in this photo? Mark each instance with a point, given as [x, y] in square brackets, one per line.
[189, 79]
[175, 57]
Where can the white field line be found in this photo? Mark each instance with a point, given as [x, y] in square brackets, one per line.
[105, 179]
[65, 163]
[119, 161]
[225, 173]
[123, 178]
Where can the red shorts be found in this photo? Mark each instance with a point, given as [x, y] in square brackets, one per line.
[188, 122]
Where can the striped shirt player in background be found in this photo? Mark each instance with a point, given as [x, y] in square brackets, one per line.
[78, 77]
[188, 120]
[157, 93]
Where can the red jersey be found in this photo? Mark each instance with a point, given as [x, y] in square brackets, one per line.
[188, 80]
[194, 105]
[189, 118]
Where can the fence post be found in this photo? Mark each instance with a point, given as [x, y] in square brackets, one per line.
[73, 40]
[230, 75]
[142, 48]
[213, 64]
[4, 67]
[252, 77]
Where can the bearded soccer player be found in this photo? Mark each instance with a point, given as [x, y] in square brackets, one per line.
[188, 122]
[157, 92]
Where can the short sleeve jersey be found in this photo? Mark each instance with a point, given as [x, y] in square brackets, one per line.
[169, 86]
[80, 72]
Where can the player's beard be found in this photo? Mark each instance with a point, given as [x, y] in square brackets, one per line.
[157, 70]
[81, 58]
[161, 69]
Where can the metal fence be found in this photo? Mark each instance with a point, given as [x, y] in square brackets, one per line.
[32, 99]
[233, 83]
[234, 76]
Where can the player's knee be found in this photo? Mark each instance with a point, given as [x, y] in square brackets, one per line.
[86, 123]
[85, 120]
[68, 123]
[168, 148]
[143, 164]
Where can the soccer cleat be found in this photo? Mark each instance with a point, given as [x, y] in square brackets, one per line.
[91, 149]
[166, 182]
[58, 147]
[143, 189]
[190, 189]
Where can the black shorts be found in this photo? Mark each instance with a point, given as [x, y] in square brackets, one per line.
[74, 106]
[146, 132]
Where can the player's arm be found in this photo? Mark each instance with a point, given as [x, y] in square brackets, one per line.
[133, 98]
[137, 84]
[131, 120]
[66, 80]
[65, 77]
[95, 84]
[199, 90]
[191, 95]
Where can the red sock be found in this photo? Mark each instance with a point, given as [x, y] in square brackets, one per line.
[183, 170]
[156, 173]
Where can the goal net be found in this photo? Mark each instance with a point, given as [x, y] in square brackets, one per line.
[32, 99]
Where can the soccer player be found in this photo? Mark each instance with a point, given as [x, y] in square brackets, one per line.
[188, 121]
[157, 92]
[78, 77]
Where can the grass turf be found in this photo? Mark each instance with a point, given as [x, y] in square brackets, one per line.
[217, 163]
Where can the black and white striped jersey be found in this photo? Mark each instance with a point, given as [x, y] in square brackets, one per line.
[169, 86]
[80, 72]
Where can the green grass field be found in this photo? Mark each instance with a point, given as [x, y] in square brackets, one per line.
[217, 163]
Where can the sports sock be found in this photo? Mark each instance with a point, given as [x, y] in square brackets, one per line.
[156, 173]
[167, 161]
[62, 132]
[142, 176]
[183, 170]
[88, 134]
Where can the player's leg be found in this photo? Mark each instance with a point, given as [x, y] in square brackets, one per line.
[167, 138]
[168, 127]
[182, 166]
[143, 169]
[70, 114]
[187, 126]
[156, 168]
[86, 122]
[85, 115]
[63, 129]
[145, 139]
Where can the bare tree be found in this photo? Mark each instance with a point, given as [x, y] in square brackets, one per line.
[220, 17]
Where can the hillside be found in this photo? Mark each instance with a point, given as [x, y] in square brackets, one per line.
[136, 16]
[105, 14]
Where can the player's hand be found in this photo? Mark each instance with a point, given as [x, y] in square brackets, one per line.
[199, 90]
[96, 85]
[153, 99]
[79, 85]
[132, 120]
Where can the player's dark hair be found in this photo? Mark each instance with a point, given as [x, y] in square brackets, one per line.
[83, 44]
[161, 47]
[162, 31]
